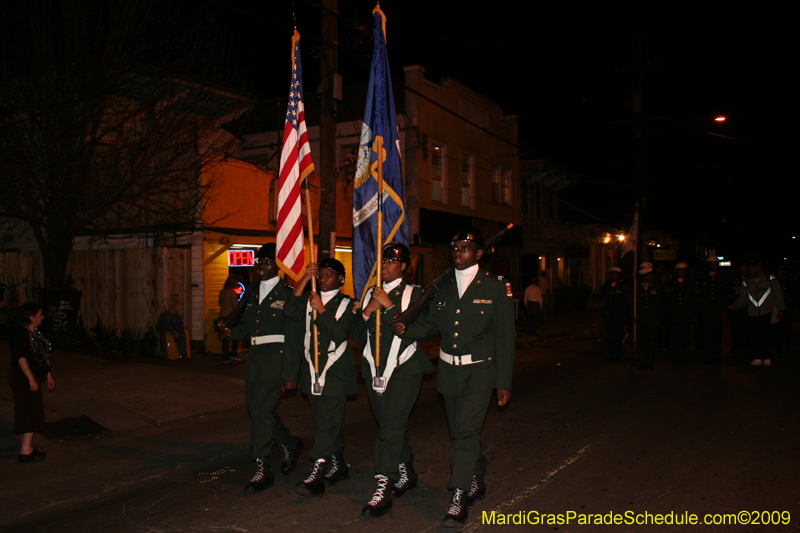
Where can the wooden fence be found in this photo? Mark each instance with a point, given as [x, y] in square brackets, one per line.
[126, 288]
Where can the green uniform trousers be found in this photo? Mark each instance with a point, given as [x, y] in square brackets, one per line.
[266, 428]
[328, 415]
[465, 417]
[391, 410]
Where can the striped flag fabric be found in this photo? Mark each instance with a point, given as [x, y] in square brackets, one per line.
[380, 121]
[296, 165]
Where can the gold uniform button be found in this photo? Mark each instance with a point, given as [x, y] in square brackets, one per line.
[455, 335]
[455, 346]
[456, 322]
[481, 312]
[458, 311]
[256, 321]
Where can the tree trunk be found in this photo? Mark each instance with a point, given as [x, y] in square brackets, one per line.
[56, 247]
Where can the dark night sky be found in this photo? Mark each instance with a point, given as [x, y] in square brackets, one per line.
[569, 71]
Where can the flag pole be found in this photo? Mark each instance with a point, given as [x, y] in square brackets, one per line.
[317, 388]
[378, 380]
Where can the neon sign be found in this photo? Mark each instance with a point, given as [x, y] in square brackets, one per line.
[241, 258]
[239, 289]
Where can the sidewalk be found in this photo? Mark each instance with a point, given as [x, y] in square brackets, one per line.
[124, 395]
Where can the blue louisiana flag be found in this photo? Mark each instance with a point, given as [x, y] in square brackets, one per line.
[380, 123]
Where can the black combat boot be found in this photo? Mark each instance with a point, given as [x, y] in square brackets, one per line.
[381, 502]
[262, 479]
[407, 481]
[314, 485]
[338, 471]
[457, 514]
[477, 490]
[291, 452]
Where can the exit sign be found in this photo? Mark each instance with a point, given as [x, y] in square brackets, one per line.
[241, 258]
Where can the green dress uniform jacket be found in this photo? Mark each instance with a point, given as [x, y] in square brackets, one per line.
[418, 363]
[341, 377]
[681, 301]
[274, 361]
[480, 324]
[716, 293]
[268, 365]
[392, 407]
[615, 300]
[649, 302]
[327, 408]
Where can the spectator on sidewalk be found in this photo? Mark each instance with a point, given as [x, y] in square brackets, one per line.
[169, 321]
[544, 287]
[30, 367]
[534, 304]
[228, 300]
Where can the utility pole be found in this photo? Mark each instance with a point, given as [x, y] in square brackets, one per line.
[327, 129]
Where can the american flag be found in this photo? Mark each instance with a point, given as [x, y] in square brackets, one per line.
[296, 164]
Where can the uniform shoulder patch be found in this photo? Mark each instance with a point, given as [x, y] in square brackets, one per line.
[501, 278]
[509, 292]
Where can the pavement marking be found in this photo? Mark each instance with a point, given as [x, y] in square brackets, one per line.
[476, 524]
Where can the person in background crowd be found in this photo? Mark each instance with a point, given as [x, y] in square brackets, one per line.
[30, 367]
[228, 300]
[169, 321]
[615, 311]
[715, 290]
[681, 311]
[534, 304]
[649, 306]
[544, 287]
[761, 294]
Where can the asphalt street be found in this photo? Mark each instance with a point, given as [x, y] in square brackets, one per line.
[582, 439]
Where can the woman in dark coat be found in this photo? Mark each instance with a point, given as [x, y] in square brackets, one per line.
[30, 367]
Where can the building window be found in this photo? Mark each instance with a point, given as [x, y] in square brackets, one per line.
[500, 182]
[438, 185]
[467, 178]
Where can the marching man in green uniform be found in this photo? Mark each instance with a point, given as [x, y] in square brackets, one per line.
[272, 367]
[394, 385]
[336, 378]
[474, 314]
[649, 303]
[716, 293]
